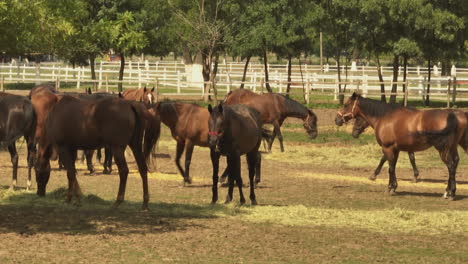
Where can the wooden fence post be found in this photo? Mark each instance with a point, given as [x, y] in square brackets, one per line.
[178, 82]
[2, 82]
[449, 84]
[57, 83]
[406, 93]
[156, 89]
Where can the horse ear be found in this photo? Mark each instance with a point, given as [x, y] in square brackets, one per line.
[88, 91]
[354, 96]
[144, 89]
[158, 106]
[210, 109]
[120, 95]
[220, 107]
[152, 89]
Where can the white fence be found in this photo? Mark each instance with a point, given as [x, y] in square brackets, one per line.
[171, 79]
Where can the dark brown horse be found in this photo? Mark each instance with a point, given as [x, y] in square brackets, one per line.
[189, 127]
[235, 130]
[17, 119]
[75, 124]
[140, 95]
[411, 130]
[274, 109]
[359, 127]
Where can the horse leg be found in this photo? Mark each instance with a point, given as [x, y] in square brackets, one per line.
[378, 169]
[234, 175]
[252, 162]
[188, 158]
[413, 164]
[224, 175]
[179, 151]
[68, 157]
[392, 156]
[258, 166]
[451, 159]
[280, 136]
[215, 162]
[14, 162]
[31, 159]
[119, 156]
[89, 160]
[99, 155]
[107, 160]
[143, 169]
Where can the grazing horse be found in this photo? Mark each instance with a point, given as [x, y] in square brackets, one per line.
[17, 118]
[360, 126]
[77, 124]
[235, 130]
[140, 95]
[411, 130]
[274, 109]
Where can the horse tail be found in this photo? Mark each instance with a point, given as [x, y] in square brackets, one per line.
[267, 135]
[152, 133]
[452, 124]
[465, 134]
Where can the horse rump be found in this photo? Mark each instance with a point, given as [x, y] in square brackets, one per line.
[440, 138]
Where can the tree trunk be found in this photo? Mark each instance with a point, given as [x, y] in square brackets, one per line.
[206, 76]
[92, 60]
[267, 82]
[428, 89]
[121, 71]
[405, 66]
[288, 88]
[213, 78]
[340, 94]
[395, 79]
[381, 80]
[245, 71]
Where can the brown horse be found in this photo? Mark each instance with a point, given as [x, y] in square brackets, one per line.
[189, 127]
[359, 127]
[140, 95]
[17, 119]
[235, 130]
[274, 109]
[77, 124]
[411, 130]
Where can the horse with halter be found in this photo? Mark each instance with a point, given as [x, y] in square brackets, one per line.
[17, 119]
[235, 130]
[405, 129]
[75, 124]
[359, 127]
[274, 109]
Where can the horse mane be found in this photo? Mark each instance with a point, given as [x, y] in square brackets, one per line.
[293, 106]
[377, 108]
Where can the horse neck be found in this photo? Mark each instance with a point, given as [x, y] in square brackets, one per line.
[169, 115]
[294, 109]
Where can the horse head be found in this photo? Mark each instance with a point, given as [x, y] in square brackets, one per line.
[310, 124]
[360, 125]
[349, 110]
[215, 124]
[148, 97]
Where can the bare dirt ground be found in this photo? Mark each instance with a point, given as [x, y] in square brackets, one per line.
[294, 222]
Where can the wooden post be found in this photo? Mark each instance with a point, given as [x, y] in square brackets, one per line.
[454, 92]
[24, 72]
[262, 83]
[78, 79]
[406, 93]
[100, 77]
[107, 84]
[178, 82]
[2, 87]
[57, 83]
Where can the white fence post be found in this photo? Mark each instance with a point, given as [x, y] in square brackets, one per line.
[100, 76]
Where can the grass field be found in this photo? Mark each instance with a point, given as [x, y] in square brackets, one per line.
[316, 205]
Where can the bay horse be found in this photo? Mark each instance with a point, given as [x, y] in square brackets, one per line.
[235, 130]
[189, 127]
[274, 109]
[411, 130]
[359, 127]
[17, 119]
[140, 95]
[75, 124]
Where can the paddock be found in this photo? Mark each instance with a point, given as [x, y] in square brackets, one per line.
[316, 205]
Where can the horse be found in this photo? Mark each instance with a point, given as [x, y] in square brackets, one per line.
[140, 95]
[274, 109]
[359, 127]
[189, 127]
[75, 124]
[235, 130]
[17, 119]
[405, 129]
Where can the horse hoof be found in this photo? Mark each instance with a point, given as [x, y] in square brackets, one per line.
[145, 208]
[213, 201]
[106, 172]
[391, 192]
[372, 178]
[254, 202]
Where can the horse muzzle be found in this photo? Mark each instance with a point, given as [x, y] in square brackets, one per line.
[313, 134]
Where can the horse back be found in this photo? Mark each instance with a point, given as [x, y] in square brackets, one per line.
[266, 104]
[17, 117]
[244, 127]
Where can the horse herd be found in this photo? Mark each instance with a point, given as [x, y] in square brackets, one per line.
[58, 124]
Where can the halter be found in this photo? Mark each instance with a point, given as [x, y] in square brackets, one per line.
[348, 114]
[306, 122]
[213, 133]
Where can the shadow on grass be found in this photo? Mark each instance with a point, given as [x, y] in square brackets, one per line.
[27, 214]
[457, 198]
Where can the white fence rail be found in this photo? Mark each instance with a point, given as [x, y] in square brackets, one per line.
[171, 78]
